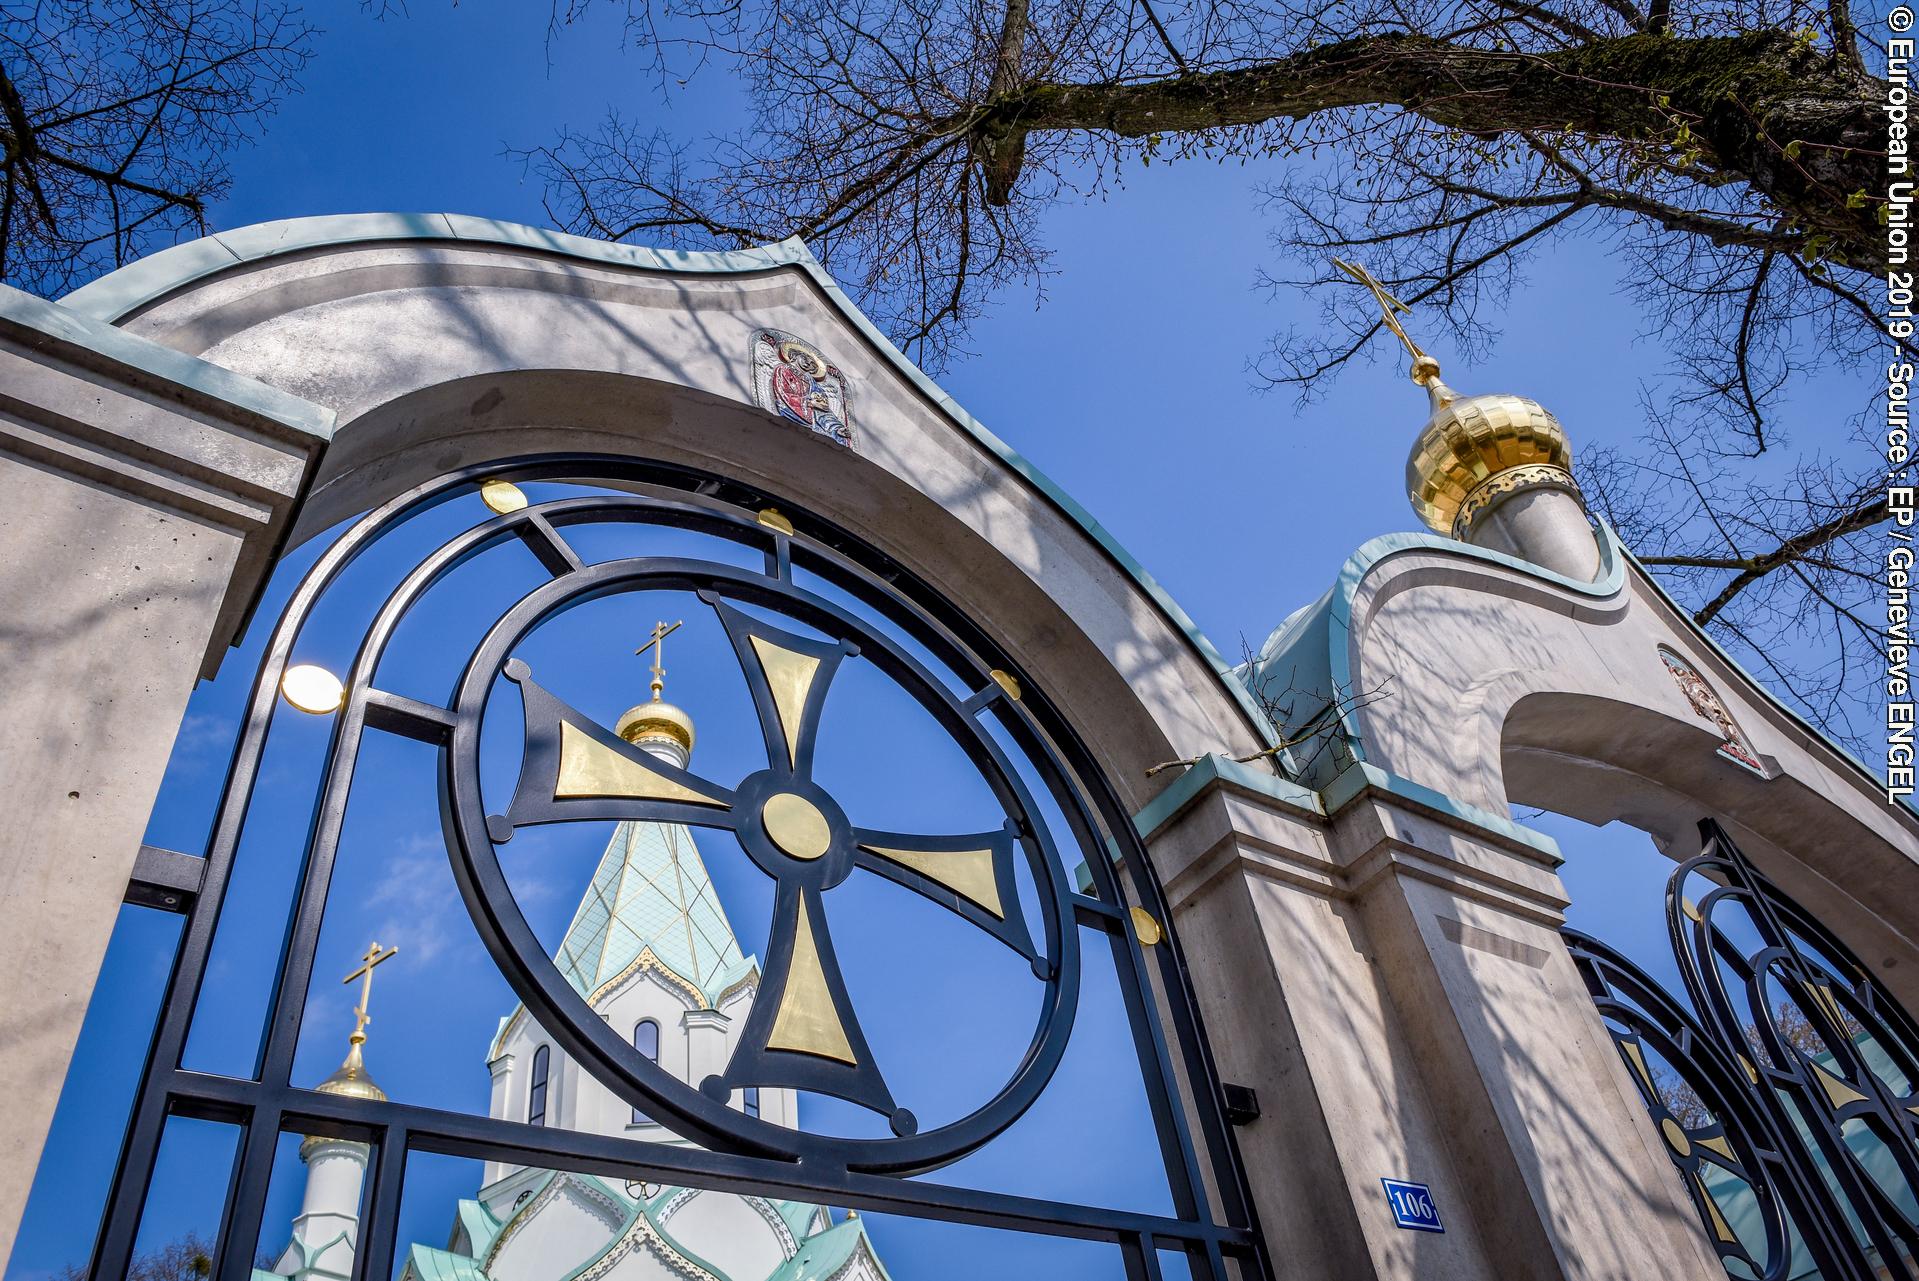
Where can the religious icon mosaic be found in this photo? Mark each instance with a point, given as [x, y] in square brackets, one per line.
[792, 379]
[1707, 705]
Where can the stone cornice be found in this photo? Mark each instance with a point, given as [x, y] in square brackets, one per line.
[183, 436]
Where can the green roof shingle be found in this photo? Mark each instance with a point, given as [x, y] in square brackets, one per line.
[651, 890]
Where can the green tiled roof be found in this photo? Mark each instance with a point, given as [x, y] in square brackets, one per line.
[429, 1264]
[480, 1225]
[651, 891]
[819, 1257]
[797, 1215]
[822, 1256]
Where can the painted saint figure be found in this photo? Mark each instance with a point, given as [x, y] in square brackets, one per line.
[792, 379]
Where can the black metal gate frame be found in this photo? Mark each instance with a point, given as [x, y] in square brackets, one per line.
[1175, 1059]
[1748, 1096]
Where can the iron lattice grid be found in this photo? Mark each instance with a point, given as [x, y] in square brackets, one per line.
[1213, 1225]
[1777, 1115]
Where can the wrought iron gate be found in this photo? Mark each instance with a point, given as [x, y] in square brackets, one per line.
[785, 822]
[1786, 1090]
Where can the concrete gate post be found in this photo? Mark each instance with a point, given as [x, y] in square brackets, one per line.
[1549, 1140]
[1389, 978]
[143, 496]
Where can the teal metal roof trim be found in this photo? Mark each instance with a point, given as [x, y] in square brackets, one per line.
[651, 1212]
[798, 1217]
[480, 1226]
[1335, 796]
[1908, 803]
[1314, 643]
[428, 1264]
[118, 294]
[65, 325]
[1213, 768]
[1325, 629]
[1360, 775]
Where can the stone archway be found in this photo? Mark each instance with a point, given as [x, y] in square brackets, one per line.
[181, 414]
[455, 339]
[1511, 684]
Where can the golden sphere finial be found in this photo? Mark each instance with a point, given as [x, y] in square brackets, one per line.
[1479, 450]
[1476, 451]
[351, 1079]
[655, 722]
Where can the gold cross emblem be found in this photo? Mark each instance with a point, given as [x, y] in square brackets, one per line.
[661, 631]
[361, 1018]
[1425, 368]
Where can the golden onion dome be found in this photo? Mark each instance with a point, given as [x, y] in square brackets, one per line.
[656, 721]
[350, 1080]
[1476, 450]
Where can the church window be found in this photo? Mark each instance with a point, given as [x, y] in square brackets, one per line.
[646, 1039]
[536, 1094]
[751, 1100]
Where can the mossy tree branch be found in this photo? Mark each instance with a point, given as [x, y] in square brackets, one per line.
[1727, 152]
[1794, 123]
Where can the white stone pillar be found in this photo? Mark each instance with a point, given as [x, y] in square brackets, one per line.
[706, 1051]
[143, 496]
[327, 1230]
[1550, 1147]
[500, 1107]
[1545, 526]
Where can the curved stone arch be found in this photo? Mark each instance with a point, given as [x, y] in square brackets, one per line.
[441, 341]
[1510, 684]
[1603, 760]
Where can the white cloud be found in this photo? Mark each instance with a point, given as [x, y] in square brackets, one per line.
[414, 905]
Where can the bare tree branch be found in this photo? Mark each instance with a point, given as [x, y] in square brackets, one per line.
[1788, 553]
[1725, 150]
[117, 122]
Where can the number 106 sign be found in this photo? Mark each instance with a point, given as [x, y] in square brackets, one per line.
[1412, 1205]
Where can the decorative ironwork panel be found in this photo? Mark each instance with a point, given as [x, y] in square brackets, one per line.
[1785, 1089]
[793, 639]
[805, 1032]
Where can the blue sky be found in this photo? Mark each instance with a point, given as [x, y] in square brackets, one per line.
[1129, 386]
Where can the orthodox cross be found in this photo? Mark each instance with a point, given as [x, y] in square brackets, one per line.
[1425, 368]
[372, 958]
[661, 631]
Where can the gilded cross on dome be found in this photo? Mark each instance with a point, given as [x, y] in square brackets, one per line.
[661, 630]
[374, 956]
[1425, 368]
